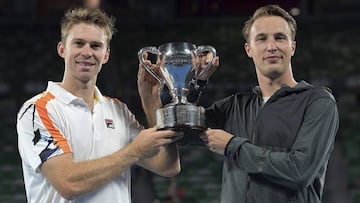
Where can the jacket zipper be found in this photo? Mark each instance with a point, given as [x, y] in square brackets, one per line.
[252, 142]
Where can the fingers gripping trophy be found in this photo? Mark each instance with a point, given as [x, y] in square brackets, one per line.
[178, 67]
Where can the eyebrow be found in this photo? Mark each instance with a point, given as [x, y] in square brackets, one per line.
[274, 34]
[91, 42]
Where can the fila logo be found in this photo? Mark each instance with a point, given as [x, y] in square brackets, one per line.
[109, 123]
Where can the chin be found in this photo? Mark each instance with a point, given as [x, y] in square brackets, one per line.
[274, 74]
[85, 78]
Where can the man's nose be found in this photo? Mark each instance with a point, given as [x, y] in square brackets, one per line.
[86, 50]
[271, 45]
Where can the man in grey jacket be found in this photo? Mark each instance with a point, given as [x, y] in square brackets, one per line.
[276, 140]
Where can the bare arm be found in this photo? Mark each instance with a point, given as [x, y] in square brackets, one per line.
[72, 179]
[166, 162]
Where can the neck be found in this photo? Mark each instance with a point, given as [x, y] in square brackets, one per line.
[270, 86]
[82, 90]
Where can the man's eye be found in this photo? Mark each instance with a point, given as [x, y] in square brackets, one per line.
[79, 44]
[280, 38]
[96, 46]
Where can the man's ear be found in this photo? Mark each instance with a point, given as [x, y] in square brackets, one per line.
[61, 49]
[293, 45]
[107, 56]
[247, 49]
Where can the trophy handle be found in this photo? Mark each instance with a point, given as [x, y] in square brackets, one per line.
[155, 51]
[199, 50]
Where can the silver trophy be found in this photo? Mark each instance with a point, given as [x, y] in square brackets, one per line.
[178, 67]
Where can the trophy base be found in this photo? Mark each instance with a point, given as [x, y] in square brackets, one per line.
[187, 118]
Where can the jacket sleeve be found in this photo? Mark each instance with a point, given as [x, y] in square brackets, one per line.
[298, 167]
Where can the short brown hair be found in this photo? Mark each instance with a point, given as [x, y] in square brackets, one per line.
[270, 10]
[87, 15]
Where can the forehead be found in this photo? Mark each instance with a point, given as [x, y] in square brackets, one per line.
[269, 25]
[88, 32]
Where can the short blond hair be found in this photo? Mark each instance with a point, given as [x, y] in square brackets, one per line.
[88, 15]
[270, 10]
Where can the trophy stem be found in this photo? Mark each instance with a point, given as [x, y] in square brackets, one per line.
[180, 95]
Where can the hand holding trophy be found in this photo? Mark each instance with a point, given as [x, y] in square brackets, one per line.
[178, 66]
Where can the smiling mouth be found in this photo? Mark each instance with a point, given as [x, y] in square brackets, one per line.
[273, 59]
[85, 64]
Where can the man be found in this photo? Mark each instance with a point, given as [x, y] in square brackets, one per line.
[276, 140]
[77, 145]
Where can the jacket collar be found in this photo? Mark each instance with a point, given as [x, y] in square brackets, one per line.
[285, 90]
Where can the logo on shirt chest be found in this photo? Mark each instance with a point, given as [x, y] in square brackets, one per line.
[109, 123]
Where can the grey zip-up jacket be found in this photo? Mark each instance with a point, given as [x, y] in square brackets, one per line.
[280, 150]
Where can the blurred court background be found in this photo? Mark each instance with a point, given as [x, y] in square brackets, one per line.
[328, 53]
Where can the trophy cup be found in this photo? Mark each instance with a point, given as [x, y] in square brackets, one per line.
[178, 67]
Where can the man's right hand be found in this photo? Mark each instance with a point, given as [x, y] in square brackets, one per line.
[148, 86]
[149, 90]
[149, 141]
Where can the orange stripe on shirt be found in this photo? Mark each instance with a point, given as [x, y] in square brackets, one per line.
[49, 125]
